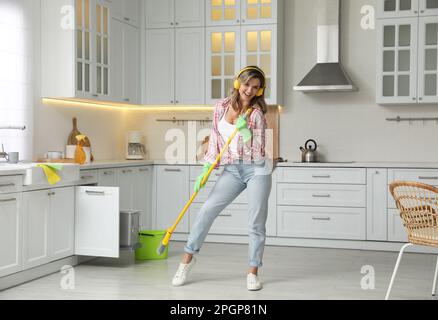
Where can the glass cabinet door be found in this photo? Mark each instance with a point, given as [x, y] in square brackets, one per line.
[258, 43]
[83, 46]
[397, 61]
[259, 11]
[223, 12]
[223, 61]
[428, 7]
[428, 60]
[397, 8]
[102, 49]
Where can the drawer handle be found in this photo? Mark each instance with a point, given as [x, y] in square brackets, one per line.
[324, 176]
[428, 178]
[95, 193]
[108, 173]
[143, 170]
[172, 170]
[8, 200]
[51, 194]
[7, 185]
[126, 171]
[321, 195]
[217, 174]
[321, 219]
[87, 177]
[225, 215]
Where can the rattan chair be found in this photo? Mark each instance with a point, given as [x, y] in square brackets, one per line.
[418, 205]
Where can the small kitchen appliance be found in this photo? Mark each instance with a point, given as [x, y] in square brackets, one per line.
[135, 149]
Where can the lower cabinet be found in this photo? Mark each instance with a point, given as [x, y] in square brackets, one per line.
[172, 195]
[10, 233]
[48, 225]
[135, 189]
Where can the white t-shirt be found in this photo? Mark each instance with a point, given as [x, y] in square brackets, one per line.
[226, 129]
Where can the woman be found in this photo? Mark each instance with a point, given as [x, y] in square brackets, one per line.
[244, 168]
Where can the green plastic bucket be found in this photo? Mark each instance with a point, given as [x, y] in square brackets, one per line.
[150, 241]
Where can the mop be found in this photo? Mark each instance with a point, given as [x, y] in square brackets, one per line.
[170, 231]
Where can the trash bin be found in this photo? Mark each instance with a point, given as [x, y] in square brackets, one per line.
[150, 240]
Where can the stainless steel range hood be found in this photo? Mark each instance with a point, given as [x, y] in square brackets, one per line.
[328, 74]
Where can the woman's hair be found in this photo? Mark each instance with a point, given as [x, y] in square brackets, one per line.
[257, 102]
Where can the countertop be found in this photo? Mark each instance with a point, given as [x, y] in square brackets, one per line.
[19, 169]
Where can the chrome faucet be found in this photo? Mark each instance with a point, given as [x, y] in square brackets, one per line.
[3, 154]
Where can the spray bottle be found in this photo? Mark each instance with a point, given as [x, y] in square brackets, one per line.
[80, 156]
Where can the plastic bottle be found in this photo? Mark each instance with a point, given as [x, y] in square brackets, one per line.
[80, 156]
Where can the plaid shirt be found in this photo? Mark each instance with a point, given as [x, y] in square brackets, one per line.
[252, 151]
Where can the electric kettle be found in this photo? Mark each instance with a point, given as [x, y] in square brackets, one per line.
[309, 151]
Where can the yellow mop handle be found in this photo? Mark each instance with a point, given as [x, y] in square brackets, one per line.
[192, 198]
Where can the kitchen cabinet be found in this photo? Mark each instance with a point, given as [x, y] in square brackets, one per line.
[321, 203]
[175, 13]
[97, 220]
[75, 43]
[428, 60]
[48, 225]
[11, 218]
[377, 212]
[172, 195]
[135, 189]
[239, 12]
[125, 52]
[397, 61]
[127, 11]
[406, 8]
[231, 48]
[407, 57]
[175, 66]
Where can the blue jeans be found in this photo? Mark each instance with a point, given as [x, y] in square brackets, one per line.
[234, 179]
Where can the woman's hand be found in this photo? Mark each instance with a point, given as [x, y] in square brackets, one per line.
[198, 185]
[242, 126]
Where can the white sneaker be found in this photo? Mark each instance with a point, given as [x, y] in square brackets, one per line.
[181, 274]
[252, 282]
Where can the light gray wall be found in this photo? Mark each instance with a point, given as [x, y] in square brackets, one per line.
[347, 126]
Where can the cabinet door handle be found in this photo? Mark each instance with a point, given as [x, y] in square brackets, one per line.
[172, 170]
[321, 218]
[8, 200]
[171, 23]
[95, 193]
[86, 177]
[126, 99]
[7, 185]
[51, 193]
[327, 176]
[95, 95]
[225, 215]
[321, 195]
[428, 178]
[176, 23]
[126, 19]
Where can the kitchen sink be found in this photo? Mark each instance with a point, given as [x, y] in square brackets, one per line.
[35, 175]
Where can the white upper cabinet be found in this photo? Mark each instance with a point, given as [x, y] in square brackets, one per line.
[397, 61]
[407, 52]
[259, 45]
[397, 8]
[237, 12]
[223, 61]
[175, 66]
[75, 49]
[126, 10]
[175, 13]
[406, 8]
[428, 60]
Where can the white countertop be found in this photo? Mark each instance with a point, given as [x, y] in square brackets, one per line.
[20, 168]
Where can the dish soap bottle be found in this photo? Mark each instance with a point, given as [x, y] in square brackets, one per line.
[80, 156]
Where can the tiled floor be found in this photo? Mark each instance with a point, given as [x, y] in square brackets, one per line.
[220, 273]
